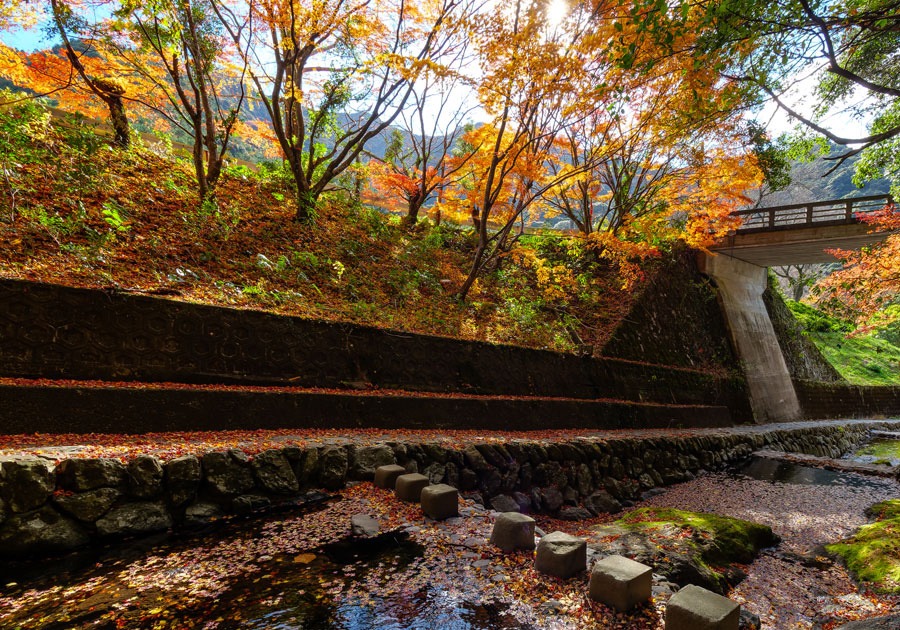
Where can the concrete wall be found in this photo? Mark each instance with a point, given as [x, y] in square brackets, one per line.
[740, 289]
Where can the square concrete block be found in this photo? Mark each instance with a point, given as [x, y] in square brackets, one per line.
[386, 476]
[409, 487]
[440, 501]
[512, 531]
[695, 608]
[620, 582]
[561, 555]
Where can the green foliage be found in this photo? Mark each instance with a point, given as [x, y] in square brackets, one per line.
[872, 554]
[815, 321]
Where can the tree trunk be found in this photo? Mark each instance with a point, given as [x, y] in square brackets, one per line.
[473, 273]
[119, 120]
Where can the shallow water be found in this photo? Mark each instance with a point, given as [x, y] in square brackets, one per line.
[764, 469]
[879, 451]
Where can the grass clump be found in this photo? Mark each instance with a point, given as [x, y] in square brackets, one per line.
[872, 554]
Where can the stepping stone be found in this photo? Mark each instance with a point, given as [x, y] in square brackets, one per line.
[695, 608]
[440, 501]
[386, 476]
[409, 487]
[512, 531]
[561, 555]
[620, 582]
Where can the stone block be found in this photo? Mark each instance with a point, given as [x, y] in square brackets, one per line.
[620, 582]
[561, 555]
[386, 476]
[512, 531]
[409, 487]
[695, 608]
[440, 501]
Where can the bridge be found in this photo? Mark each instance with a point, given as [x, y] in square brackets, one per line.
[801, 233]
[781, 235]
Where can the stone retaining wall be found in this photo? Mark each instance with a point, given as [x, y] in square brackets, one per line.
[46, 509]
[839, 400]
[51, 331]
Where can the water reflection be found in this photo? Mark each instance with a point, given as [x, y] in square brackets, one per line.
[771, 470]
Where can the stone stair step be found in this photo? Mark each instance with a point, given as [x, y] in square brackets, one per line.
[108, 407]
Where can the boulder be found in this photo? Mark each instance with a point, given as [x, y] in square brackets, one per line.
[505, 503]
[602, 502]
[201, 514]
[333, 464]
[551, 498]
[367, 459]
[226, 476]
[364, 525]
[88, 506]
[512, 531]
[145, 477]
[574, 513]
[25, 483]
[132, 519]
[620, 582]
[386, 476]
[81, 475]
[274, 473]
[40, 532]
[306, 466]
[440, 501]
[561, 555]
[246, 503]
[182, 479]
[695, 608]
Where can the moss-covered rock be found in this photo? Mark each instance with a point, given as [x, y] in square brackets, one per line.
[872, 554]
[686, 547]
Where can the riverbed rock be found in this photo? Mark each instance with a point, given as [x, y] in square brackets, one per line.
[145, 477]
[226, 476]
[25, 483]
[274, 473]
[133, 519]
[364, 525]
[88, 506]
[333, 465]
[574, 513]
[551, 498]
[561, 555]
[890, 622]
[81, 475]
[182, 479]
[706, 557]
[40, 532]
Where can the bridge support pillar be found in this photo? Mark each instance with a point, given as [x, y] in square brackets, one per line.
[740, 288]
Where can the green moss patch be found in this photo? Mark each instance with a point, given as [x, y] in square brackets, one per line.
[687, 547]
[872, 554]
[881, 451]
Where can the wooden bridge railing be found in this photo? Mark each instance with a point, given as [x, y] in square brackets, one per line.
[835, 212]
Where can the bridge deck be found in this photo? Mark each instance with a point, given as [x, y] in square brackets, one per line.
[801, 233]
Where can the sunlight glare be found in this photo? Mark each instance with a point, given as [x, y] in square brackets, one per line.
[557, 10]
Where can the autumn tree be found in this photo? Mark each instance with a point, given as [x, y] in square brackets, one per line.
[198, 84]
[418, 162]
[333, 74]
